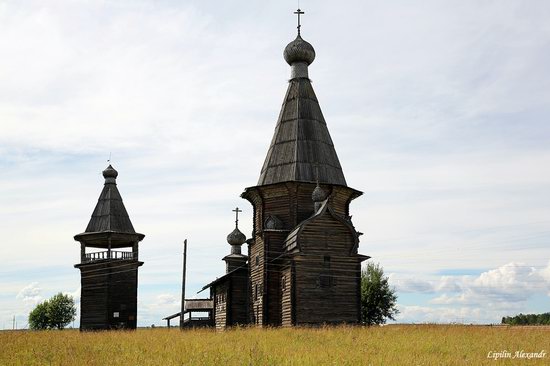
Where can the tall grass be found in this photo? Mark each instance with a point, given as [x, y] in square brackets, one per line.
[390, 345]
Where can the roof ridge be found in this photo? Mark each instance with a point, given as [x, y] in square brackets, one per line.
[297, 101]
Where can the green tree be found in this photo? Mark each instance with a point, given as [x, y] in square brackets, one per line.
[378, 299]
[55, 313]
[61, 311]
[38, 318]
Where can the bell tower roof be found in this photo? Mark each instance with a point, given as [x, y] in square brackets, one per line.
[110, 218]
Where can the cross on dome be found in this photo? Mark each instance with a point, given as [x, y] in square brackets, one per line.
[236, 210]
[299, 12]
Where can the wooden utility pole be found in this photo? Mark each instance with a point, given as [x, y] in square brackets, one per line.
[183, 282]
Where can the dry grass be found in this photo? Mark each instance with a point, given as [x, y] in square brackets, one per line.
[390, 345]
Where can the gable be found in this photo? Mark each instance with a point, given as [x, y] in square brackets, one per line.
[324, 232]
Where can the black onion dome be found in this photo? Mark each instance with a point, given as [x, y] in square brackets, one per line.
[318, 194]
[110, 172]
[299, 51]
[236, 237]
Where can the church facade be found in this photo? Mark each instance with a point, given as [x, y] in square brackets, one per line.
[303, 265]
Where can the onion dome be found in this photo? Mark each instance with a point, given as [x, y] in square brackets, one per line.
[299, 51]
[110, 174]
[318, 194]
[236, 237]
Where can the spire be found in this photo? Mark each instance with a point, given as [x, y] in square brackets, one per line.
[301, 137]
[109, 213]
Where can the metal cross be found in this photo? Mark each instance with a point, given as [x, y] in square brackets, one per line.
[109, 161]
[299, 12]
[236, 210]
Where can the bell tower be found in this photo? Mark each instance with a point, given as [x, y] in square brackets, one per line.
[109, 263]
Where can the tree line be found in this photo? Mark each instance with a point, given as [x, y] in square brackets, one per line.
[527, 319]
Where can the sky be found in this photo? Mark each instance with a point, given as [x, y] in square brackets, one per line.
[439, 112]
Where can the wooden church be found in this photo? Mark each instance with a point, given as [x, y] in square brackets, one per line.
[303, 265]
[109, 263]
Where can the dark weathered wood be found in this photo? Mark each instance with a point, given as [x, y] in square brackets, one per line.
[184, 268]
[107, 288]
[230, 298]
[301, 141]
[109, 279]
[329, 234]
[303, 265]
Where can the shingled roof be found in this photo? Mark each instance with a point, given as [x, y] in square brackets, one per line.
[301, 147]
[109, 213]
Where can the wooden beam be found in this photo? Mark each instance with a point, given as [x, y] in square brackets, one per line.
[183, 282]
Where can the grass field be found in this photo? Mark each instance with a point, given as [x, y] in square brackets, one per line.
[389, 345]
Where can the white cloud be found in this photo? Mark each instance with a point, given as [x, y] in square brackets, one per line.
[408, 284]
[167, 299]
[484, 298]
[155, 308]
[30, 294]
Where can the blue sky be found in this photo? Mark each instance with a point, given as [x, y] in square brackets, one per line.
[439, 112]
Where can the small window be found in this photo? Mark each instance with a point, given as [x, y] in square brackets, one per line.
[257, 260]
[326, 280]
[283, 283]
[326, 262]
[256, 292]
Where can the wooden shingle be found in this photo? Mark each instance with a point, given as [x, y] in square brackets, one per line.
[301, 144]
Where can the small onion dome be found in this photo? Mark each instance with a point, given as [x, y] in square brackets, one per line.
[110, 172]
[236, 237]
[318, 194]
[299, 51]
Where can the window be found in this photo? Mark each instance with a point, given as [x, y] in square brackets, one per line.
[256, 292]
[283, 284]
[325, 280]
[257, 260]
[326, 262]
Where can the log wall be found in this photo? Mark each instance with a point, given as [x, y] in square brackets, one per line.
[109, 287]
[220, 305]
[301, 300]
[326, 273]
